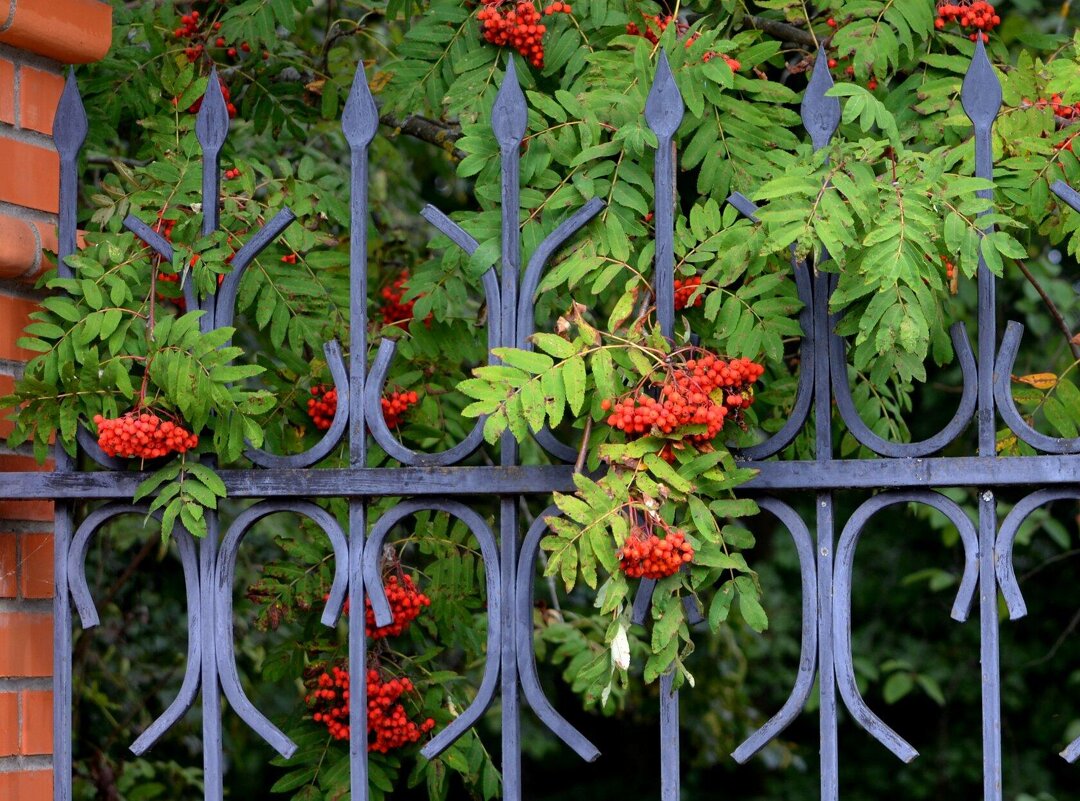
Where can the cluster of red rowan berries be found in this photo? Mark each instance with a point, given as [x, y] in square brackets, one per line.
[289, 258]
[394, 310]
[389, 726]
[406, 604]
[142, 435]
[518, 26]
[322, 406]
[662, 23]
[1058, 105]
[978, 15]
[950, 268]
[396, 404]
[231, 174]
[700, 392]
[649, 556]
[684, 288]
[193, 28]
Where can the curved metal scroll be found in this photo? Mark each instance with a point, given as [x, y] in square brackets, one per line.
[88, 614]
[804, 681]
[526, 324]
[804, 391]
[377, 377]
[861, 431]
[1006, 572]
[1006, 539]
[333, 435]
[223, 581]
[526, 656]
[384, 616]
[845, 557]
[1010, 345]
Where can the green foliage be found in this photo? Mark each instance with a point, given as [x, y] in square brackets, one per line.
[889, 199]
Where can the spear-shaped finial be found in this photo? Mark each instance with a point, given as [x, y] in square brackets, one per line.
[820, 113]
[360, 119]
[509, 115]
[70, 125]
[212, 124]
[981, 94]
[664, 105]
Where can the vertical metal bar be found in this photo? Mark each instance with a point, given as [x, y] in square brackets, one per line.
[359, 121]
[509, 117]
[213, 771]
[669, 738]
[211, 129]
[663, 113]
[981, 97]
[821, 116]
[69, 132]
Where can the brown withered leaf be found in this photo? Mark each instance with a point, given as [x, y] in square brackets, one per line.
[1037, 380]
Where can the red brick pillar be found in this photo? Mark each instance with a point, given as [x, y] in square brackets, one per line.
[38, 38]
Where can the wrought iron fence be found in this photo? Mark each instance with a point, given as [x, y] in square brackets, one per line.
[908, 473]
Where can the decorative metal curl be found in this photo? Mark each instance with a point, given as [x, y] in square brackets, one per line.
[223, 581]
[526, 323]
[384, 616]
[376, 382]
[1006, 539]
[1010, 344]
[804, 391]
[965, 411]
[1006, 572]
[88, 614]
[804, 680]
[526, 655]
[845, 558]
[340, 379]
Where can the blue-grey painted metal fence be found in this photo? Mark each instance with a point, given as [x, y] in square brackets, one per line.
[907, 473]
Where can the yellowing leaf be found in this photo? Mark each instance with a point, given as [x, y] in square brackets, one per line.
[1038, 380]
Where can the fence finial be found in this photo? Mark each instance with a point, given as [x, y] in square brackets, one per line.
[509, 115]
[212, 124]
[70, 125]
[820, 113]
[664, 105]
[981, 94]
[360, 119]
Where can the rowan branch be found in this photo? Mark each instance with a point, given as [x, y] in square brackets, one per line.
[1050, 307]
[435, 132]
[782, 31]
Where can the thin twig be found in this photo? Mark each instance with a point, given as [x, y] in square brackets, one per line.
[579, 465]
[1050, 307]
[782, 31]
[435, 132]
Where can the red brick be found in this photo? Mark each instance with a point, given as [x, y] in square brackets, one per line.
[26, 510]
[36, 569]
[18, 247]
[69, 31]
[7, 91]
[39, 92]
[9, 724]
[34, 785]
[36, 182]
[9, 568]
[7, 386]
[37, 728]
[25, 645]
[14, 315]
